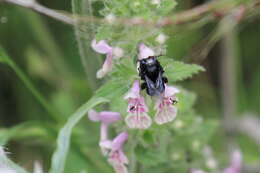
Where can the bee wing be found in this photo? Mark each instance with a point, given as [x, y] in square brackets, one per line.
[151, 87]
[159, 85]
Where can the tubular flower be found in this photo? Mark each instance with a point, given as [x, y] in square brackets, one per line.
[137, 110]
[105, 118]
[116, 156]
[236, 163]
[166, 111]
[145, 51]
[103, 48]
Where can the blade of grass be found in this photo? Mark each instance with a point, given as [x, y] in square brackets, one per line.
[63, 140]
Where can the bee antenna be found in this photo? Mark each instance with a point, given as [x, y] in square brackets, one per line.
[157, 56]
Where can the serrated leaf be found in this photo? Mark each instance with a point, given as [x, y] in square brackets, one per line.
[63, 140]
[178, 71]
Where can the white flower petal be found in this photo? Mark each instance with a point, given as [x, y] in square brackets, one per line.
[145, 52]
[118, 52]
[107, 66]
[161, 38]
[93, 115]
[170, 91]
[165, 115]
[142, 121]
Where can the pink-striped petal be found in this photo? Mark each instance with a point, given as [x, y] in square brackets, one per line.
[141, 121]
[165, 114]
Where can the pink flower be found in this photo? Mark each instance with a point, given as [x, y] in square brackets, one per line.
[144, 51]
[166, 111]
[105, 118]
[236, 163]
[116, 156]
[137, 110]
[103, 48]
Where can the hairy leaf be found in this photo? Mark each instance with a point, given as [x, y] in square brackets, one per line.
[178, 71]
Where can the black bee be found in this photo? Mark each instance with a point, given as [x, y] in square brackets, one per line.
[151, 72]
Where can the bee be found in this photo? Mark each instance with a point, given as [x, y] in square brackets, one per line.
[151, 72]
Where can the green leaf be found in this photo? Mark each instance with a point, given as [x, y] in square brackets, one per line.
[23, 130]
[186, 100]
[178, 71]
[125, 70]
[63, 140]
[4, 160]
[149, 157]
[112, 89]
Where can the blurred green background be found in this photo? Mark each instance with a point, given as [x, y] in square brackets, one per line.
[46, 51]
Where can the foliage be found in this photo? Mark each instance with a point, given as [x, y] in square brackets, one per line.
[42, 113]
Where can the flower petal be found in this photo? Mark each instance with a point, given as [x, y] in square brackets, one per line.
[142, 121]
[119, 141]
[93, 115]
[120, 168]
[236, 163]
[105, 146]
[109, 117]
[170, 91]
[101, 47]
[106, 67]
[165, 114]
[236, 160]
[134, 92]
[144, 51]
[106, 117]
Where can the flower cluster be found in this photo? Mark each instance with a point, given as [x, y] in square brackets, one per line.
[137, 110]
[111, 53]
[113, 149]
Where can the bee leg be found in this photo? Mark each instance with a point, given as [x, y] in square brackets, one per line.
[143, 85]
[165, 79]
